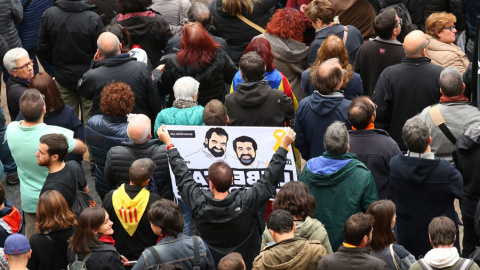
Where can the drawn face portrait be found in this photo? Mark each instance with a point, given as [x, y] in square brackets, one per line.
[217, 144]
[245, 153]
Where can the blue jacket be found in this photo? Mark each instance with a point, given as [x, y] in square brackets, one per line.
[173, 250]
[102, 133]
[314, 114]
[32, 18]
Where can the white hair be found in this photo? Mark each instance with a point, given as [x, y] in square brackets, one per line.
[185, 88]
[11, 57]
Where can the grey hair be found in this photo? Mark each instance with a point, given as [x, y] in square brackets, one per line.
[451, 82]
[336, 139]
[199, 12]
[12, 56]
[185, 88]
[109, 51]
[415, 134]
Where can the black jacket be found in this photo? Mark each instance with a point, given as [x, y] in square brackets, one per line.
[15, 88]
[104, 257]
[212, 78]
[237, 33]
[44, 250]
[421, 9]
[68, 39]
[131, 246]
[257, 104]
[122, 68]
[173, 45]
[375, 148]
[230, 224]
[11, 12]
[404, 90]
[151, 33]
[351, 258]
[119, 159]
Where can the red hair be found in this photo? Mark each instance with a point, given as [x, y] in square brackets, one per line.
[264, 49]
[287, 23]
[198, 47]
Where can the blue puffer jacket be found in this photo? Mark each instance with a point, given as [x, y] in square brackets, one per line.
[192, 116]
[32, 17]
[102, 133]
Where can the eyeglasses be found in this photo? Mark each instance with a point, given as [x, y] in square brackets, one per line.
[428, 42]
[450, 28]
[400, 22]
[25, 67]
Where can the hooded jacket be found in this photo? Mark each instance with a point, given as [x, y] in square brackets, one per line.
[257, 104]
[212, 78]
[310, 228]
[314, 114]
[445, 259]
[342, 186]
[68, 39]
[293, 253]
[122, 68]
[432, 184]
[10, 221]
[151, 33]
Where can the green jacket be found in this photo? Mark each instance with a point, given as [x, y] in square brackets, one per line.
[342, 186]
[192, 116]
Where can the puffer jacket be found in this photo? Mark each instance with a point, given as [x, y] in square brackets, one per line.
[212, 78]
[151, 33]
[102, 133]
[237, 33]
[446, 55]
[310, 228]
[11, 12]
[32, 17]
[192, 116]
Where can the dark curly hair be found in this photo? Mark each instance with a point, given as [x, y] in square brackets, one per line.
[295, 198]
[130, 6]
[117, 99]
[286, 23]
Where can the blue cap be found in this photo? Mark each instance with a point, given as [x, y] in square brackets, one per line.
[16, 244]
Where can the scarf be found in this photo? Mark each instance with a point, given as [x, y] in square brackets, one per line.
[129, 211]
[183, 104]
[161, 237]
[370, 126]
[442, 257]
[459, 98]
[107, 239]
[122, 17]
[335, 21]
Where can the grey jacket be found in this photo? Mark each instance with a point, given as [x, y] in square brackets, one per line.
[11, 12]
[458, 117]
[170, 12]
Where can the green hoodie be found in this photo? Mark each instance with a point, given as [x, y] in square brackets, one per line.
[342, 186]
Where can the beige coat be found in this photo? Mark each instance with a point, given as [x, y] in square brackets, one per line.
[447, 55]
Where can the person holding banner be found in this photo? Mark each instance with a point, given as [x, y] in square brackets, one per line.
[227, 221]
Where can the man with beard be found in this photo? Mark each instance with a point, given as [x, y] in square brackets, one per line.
[214, 147]
[64, 177]
[246, 150]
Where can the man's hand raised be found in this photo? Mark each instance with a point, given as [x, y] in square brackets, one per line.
[288, 138]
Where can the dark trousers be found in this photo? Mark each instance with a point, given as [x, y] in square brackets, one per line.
[470, 237]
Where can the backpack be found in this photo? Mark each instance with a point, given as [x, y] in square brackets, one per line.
[402, 12]
[79, 265]
[82, 200]
[464, 265]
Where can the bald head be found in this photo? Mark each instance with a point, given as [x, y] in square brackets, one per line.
[109, 45]
[414, 44]
[139, 129]
[328, 77]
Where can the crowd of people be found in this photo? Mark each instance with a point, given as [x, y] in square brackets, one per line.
[378, 109]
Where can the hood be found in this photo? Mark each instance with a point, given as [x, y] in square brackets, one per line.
[114, 61]
[470, 140]
[138, 25]
[11, 218]
[442, 257]
[328, 170]
[325, 104]
[287, 50]
[307, 227]
[335, 29]
[415, 169]
[285, 254]
[74, 5]
[252, 94]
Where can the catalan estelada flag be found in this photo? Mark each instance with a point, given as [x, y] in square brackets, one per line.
[129, 211]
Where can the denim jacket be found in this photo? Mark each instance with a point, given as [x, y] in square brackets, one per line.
[176, 251]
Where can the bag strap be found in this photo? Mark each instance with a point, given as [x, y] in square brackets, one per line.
[180, 13]
[196, 253]
[345, 34]
[26, 4]
[56, 242]
[86, 257]
[252, 24]
[465, 264]
[424, 264]
[155, 255]
[393, 257]
[439, 121]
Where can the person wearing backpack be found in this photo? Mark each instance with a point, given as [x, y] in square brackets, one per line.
[442, 233]
[92, 245]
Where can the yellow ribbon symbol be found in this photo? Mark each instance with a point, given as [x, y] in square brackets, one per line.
[278, 134]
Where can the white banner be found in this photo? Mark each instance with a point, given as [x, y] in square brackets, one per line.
[247, 150]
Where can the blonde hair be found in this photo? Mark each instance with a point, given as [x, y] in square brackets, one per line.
[234, 7]
[437, 21]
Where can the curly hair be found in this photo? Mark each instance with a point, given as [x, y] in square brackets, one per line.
[437, 21]
[295, 198]
[333, 47]
[130, 6]
[117, 99]
[320, 9]
[286, 23]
